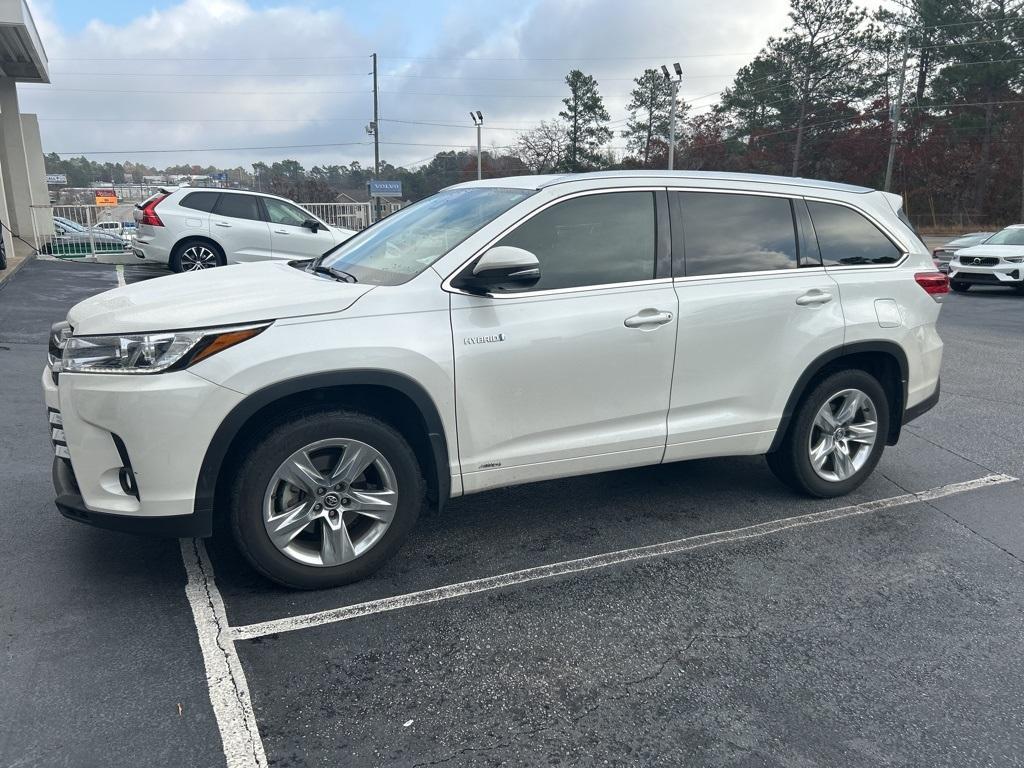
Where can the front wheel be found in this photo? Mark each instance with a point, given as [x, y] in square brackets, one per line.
[959, 286]
[836, 437]
[325, 499]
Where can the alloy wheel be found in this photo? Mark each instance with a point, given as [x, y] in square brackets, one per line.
[843, 434]
[330, 502]
[197, 257]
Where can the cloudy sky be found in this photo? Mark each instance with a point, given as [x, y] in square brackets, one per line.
[229, 82]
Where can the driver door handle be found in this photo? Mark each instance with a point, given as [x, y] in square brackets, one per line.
[814, 296]
[280, 231]
[648, 319]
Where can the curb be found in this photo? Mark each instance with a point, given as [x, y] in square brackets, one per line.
[7, 274]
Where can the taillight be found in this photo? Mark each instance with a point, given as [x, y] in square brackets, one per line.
[935, 284]
[149, 212]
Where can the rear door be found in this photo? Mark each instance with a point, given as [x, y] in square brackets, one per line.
[289, 238]
[755, 309]
[237, 223]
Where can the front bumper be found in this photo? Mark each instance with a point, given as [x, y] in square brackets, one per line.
[71, 504]
[130, 448]
[1000, 274]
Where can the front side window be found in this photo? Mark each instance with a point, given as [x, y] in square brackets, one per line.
[281, 212]
[238, 207]
[592, 240]
[846, 238]
[726, 233]
[398, 248]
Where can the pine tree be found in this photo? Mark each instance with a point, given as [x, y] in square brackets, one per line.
[585, 117]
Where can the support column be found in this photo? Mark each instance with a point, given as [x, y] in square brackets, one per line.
[13, 162]
[37, 174]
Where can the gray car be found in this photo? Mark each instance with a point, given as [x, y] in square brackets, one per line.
[943, 255]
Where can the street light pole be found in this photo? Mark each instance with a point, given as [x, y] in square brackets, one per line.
[478, 120]
[672, 112]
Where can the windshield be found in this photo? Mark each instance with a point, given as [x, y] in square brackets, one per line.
[401, 246]
[1009, 236]
[69, 224]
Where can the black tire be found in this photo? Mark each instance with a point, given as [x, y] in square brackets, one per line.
[792, 464]
[174, 263]
[959, 286]
[263, 458]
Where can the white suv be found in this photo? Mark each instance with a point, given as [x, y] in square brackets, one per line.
[997, 261]
[499, 332]
[191, 229]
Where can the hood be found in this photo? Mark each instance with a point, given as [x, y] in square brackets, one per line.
[992, 250]
[242, 293]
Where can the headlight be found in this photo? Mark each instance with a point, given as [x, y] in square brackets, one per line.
[1015, 259]
[59, 335]
[150, 352]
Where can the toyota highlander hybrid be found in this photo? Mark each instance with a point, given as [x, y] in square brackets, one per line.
[499, 332]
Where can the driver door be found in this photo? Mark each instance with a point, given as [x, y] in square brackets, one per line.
[289, 239]
[573, 374]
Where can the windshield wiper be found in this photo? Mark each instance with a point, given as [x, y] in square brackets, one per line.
[338, 274]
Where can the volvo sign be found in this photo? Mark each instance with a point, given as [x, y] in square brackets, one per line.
[385, 188]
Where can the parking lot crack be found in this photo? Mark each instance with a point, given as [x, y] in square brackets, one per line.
[961, 523]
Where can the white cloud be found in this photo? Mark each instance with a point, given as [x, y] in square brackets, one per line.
[242, 85]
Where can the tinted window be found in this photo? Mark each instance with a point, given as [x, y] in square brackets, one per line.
[238, 206]
[737, 233]
[399, 247]
[845, 237]
[200, 201]
[592, 240]
[281, 212]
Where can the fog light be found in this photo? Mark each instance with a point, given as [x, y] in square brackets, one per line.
[127, 479]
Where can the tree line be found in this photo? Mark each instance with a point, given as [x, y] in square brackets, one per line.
[816, 101]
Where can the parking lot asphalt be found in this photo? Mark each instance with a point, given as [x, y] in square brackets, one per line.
[889, 635]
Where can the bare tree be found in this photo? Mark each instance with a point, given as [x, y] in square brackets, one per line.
[543, 148]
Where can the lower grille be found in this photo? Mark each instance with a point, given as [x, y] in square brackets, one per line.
[976, 277]
[60, 444]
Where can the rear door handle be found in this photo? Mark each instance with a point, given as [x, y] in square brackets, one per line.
[280, 231]
[648, 319]
[222, 224]
[814, 296]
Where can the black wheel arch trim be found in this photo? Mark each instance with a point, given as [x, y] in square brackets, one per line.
[891, 348]
[217, 451]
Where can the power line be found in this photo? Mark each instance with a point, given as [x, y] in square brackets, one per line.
[405, 58]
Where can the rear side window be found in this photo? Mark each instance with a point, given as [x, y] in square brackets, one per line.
[846, 238]
[725, 233]
[238, 207]
[200, 201]
[592, 240]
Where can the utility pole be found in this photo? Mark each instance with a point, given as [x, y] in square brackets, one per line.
[376, 141]
[895, 119]
[478, 120]
[672, 112]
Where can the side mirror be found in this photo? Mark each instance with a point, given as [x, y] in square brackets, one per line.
[312, 224]
[501, 269]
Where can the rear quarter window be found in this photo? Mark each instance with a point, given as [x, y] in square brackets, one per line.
[847, 238]
[200, 201]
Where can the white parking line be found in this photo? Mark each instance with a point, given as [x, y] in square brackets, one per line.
[229, 692]
[119, 269]
[292, 623]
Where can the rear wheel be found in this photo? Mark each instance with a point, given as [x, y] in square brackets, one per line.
[836, 437]
[959, 286]
[325, 499]
[194, 255]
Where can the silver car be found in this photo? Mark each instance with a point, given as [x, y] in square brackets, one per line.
[942, 256]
